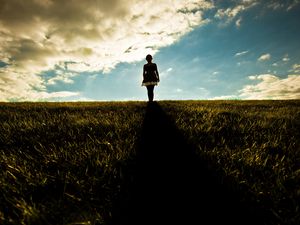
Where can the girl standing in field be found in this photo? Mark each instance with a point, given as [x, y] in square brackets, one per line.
[150, 77]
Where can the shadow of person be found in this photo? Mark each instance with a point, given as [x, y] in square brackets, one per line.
[171, 185]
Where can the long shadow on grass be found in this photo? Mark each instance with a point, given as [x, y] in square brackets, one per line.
[169, 184]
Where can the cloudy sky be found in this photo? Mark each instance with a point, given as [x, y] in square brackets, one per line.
[69, 50]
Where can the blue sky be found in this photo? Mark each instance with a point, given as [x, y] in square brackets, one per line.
[203, 49]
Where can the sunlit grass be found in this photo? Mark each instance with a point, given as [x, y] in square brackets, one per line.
[61, 163]
[63, 160]
[255, 144]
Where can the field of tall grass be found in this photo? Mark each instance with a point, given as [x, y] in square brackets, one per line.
[255, 145]
[62, 163]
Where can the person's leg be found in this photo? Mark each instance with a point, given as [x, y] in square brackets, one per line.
[150, 89]
[151, 93]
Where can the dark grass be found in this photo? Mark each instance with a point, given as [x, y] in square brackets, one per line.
[172, 162]
[255, 145]
[171, 185]
[60, 162]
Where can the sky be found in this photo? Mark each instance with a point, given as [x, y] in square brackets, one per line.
[94, 50]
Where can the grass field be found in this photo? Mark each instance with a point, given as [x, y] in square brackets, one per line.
[79, 163]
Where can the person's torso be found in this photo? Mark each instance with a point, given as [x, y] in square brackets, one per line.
[150, 68]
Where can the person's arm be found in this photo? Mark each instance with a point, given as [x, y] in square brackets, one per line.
[144, 72]
[157, 74]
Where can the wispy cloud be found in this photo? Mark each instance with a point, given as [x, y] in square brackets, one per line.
[166, 72]
[241, 53]
[169, 70]
[91, 35]
[286, 58]
[238, 22]
[264, 57]
[227, 15]
[65, 77]
[287, 5]
[295, 68]
[272, 87]
[225, 97]
[293, 4]
[229, 12]
[16, 87]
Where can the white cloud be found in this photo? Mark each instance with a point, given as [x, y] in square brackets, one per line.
[241, 53]
[227, 15]
[272, 87]
[264, 57]
[169, 69]
[295, 68]
[65, 77]
[180, 93]
[92, 35]
[238, 22]
[231, 12]
[288, 4]
[166, 72]
[286, 58]
[293, 4]
[275, 5]
[253, 77]
[14, 88]
[54, 95]
[225, 97]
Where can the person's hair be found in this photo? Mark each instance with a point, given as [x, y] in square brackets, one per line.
[148, 57]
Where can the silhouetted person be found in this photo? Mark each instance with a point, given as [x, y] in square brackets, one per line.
[150, 77]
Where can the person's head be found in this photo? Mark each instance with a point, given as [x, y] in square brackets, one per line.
[149, 58]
